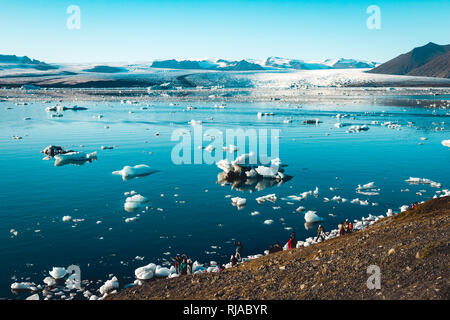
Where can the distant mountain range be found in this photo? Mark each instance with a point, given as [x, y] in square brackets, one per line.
[430, 60]
[24, 62]
[269, 64]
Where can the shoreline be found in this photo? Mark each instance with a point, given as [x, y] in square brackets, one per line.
[240, 282]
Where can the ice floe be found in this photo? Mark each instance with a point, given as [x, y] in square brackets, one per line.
[139, 170]
[74, 158]
[413, 180]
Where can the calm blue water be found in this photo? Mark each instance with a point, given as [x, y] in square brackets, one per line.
[35, 195]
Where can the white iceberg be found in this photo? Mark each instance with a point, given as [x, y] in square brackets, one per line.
[139, 170]
[74, 157]
[109, 286]
[238, 202]
[413, 180]
[311, 216]
[145, 272]
[446, 143]
[58, 272]
[162, 272]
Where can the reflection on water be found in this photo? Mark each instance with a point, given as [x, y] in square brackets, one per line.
[188, 209]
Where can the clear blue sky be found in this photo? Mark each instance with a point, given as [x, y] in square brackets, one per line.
[144, 30]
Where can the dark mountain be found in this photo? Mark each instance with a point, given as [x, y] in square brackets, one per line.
[438, 67]
[415, 62]
[25, 62]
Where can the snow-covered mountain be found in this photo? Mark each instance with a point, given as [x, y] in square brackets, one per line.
[208, 64]
[270, 63]
[341, 63]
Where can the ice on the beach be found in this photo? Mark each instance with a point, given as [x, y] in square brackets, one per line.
[109, 286]
[139, 170]
[162, 272]
[49, 281]
[58, 272]
[311, 216]
[33, 297]
[404, 208]
[145, 272]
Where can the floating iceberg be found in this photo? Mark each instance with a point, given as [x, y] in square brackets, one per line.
[433, 184]
[357, 128]
[446, 143]
[23, 286]
[311, 216]
[139, 170]
[238, 202]
[270, 197]
[74, 158]
[244, 177]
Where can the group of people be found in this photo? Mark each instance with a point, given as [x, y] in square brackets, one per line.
[345, 227]
[182, 264]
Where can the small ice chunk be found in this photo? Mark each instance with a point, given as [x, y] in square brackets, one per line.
[58, 272]
[137, 171]
[109, 286]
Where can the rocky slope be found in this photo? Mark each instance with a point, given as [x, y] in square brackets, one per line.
[411, 249]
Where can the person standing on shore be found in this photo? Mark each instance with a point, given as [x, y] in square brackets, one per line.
[346, 229]
[294, 240]
[176, 263]
[189, 265]
[341, 229]
[183, 267]
[239, 248]
[320, 233]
